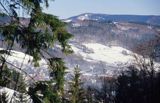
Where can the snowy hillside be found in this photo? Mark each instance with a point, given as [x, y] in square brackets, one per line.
[24, 61]
[93, 55]
[99, 52]
[96, 59]
[122, 34]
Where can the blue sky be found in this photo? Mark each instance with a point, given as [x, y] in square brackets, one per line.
[68, 8]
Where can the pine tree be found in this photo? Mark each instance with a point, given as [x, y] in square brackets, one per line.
[57, 74]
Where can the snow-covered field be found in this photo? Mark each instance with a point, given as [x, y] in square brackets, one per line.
[95, 59]
[104, 53]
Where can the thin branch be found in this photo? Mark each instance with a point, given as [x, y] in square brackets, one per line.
[4, 8]
[20, 70]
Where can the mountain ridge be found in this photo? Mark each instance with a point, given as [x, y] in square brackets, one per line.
[148, 19]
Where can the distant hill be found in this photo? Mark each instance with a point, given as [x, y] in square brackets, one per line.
[124, 34]
[144, 19]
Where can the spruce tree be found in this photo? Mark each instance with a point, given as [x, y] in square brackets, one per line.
[35, 37]
[76, 90]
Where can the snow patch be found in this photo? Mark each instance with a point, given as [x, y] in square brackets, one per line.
[149, 27]
[76, 25]
[68, 20]
[83, 17]
[12, 95]
[123, 26]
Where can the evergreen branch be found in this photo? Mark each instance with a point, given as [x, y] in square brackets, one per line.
[12, 80]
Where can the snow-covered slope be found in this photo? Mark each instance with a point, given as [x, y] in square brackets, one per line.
[99, 52]
[96, 59]
[24, 62]
[93, 59]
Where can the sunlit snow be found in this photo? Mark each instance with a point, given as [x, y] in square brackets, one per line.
[104, 53]
[84, 17]
[24, 62]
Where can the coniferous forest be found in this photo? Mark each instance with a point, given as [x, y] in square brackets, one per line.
[139, 83]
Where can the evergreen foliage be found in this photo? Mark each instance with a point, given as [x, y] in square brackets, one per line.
[76, 90]
[35, 38]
